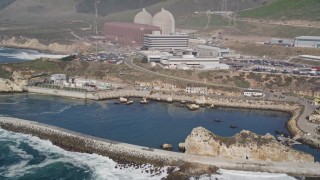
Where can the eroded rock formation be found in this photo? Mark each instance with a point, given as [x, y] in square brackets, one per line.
[244, 145]
[14, 85]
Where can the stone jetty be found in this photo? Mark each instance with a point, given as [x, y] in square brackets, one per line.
[131, 154]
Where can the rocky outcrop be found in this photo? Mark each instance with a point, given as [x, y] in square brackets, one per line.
[14, 85]
[7, 85]
[315, 117]
[244, 145]
[53, 47]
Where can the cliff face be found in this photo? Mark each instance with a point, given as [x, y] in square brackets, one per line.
[15, 85]
[244, 145]
[53, 47]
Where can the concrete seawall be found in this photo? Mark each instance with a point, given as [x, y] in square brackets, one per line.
[127, 153]
[59, 92]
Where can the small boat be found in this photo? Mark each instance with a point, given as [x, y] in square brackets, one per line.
[233, 126]
[117, 102]
[129, 102]
[217, 120]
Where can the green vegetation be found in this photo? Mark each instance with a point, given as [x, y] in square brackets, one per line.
[5, 74]
[39, 65]
[286, 10]
[68, 58]
[202, 21]
[241, 82]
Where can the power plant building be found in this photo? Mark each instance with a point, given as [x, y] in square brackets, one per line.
[307, 41]
[190, 61]
[165, 20]
[143, 17]
[127, 33]
[165, 42]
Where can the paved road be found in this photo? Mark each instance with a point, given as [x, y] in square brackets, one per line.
[129, 62]
[303, 123]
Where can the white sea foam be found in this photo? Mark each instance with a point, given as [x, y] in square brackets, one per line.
[23, 55]
[246, 175]
[10, 103]
[100, 166]
[57, 112]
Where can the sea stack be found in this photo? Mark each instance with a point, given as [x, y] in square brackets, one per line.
[244, 145]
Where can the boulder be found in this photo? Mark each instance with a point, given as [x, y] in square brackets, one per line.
[244, 145]
[169, 99]
[167, 147]
[182, 147]
[193, 107]
[123, 100]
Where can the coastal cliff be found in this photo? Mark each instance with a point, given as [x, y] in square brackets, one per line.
[244, 145]
[52, 47]
[15, 85]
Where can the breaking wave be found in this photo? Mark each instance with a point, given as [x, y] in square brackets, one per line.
[30, 56]
[29, 149]
[246, 175]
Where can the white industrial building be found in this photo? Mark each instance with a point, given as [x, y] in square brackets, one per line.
[143, 17]
[307, 41]
[165, 42]
[175, 62]
[197, 90]
[155, 56]
[205, 50]
[58, 78]
[165, 20]
[252, 93]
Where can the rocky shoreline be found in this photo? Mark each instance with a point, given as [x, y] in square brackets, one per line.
[290, 107]
[128, 155]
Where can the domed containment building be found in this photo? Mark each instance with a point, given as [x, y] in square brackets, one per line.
[143, 17]
[165, 20]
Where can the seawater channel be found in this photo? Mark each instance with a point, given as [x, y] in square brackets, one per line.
[147, 125]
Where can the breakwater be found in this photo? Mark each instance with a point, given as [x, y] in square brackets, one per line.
[132, 154]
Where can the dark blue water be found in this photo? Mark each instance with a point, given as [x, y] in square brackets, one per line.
[11, 55]
[146, 125]
[8, 55]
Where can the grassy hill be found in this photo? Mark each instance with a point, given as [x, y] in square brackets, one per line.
[286, 10]
[59, 10]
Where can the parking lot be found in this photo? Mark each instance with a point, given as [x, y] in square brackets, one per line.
[273, 67]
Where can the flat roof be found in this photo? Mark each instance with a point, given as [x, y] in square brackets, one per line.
[166, 35]
[310, 57]
[252, 90]
[308, 37]
[132, 25]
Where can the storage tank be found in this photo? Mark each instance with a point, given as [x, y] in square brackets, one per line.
[143, 17]
[165, 21]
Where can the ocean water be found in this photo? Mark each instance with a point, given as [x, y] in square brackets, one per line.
[27, 157]
[9, 55]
